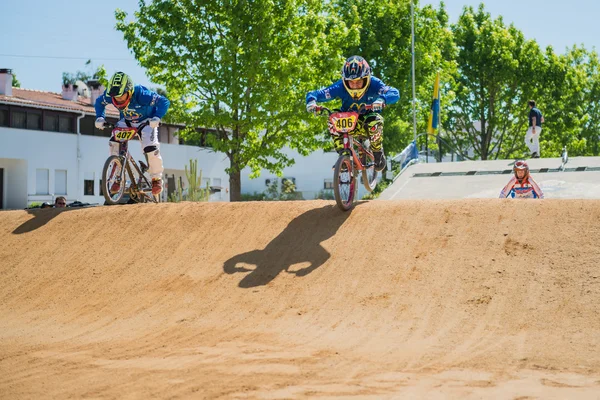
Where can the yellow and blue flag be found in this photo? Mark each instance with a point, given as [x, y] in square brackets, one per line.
[434, 116]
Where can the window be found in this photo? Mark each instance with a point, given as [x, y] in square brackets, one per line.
[87, 126]
[88, 184]
[51, 122]
[60, 181]
[41, 181]
[34, 120]
[3, 117]
[26, 119]
[88, 187]
[328, 184]
[19, 119]
[65, 124]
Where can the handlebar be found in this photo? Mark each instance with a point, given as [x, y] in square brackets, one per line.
[320, 109]
[108, 125]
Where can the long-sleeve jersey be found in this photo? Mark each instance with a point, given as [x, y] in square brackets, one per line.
[144, 104]
[377, 89]
[528, 189]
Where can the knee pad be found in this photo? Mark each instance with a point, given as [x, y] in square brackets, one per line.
[373, 125]
[150, 149]
[113, 148]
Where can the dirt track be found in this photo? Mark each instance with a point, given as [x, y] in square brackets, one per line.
[427, 299]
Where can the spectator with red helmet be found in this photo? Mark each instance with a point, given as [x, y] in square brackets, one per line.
[522, 185]
[356, 89]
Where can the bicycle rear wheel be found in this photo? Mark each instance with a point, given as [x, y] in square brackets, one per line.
[113, 172]
[369, 174]
[344, 182]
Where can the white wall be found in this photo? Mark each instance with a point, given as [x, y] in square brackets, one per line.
[58, 151]
[310, 173]
[15, 183]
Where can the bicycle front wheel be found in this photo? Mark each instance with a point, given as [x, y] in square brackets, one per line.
[113, 180]
[344, 183]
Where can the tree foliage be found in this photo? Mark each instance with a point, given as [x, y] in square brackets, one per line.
[240, 68]
[15, 81]
[237, 72]
[385, 42]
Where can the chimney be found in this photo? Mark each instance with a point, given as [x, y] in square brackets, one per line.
[69, 92]
[6, 81]
[96, 90]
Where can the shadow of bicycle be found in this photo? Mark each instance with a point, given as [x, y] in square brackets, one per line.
[300, 242]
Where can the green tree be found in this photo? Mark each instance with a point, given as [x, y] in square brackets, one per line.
[241, 68]
[496, 75]
[98, 74]
[569, 84]
[385, 42]
[15, 81]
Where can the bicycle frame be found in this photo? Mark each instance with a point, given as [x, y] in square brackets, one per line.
[349, 163]
[347, 138]
[135, 185]
[139, 187]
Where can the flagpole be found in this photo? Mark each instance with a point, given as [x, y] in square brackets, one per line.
[412, 18]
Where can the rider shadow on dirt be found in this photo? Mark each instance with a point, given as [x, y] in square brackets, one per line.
[299, 242]
[40, 218]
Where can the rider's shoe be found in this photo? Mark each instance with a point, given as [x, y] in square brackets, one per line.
[379, 161]
[157, 186]
[115, 187]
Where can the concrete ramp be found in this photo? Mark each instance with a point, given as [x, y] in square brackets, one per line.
[580, 179]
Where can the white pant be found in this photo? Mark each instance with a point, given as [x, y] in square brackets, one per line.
[149, 139]
[532, 140]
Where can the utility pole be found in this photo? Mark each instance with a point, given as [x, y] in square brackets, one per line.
[412, 18]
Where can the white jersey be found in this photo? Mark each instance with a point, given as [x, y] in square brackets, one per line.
[527, 189]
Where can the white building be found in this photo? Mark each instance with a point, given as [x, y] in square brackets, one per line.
[312, 175]
[49, 147]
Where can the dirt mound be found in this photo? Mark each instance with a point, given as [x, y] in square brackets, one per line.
[411, 299]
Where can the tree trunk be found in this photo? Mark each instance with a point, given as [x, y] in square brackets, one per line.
[235, 185]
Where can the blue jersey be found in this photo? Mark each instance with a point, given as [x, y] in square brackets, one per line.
[144, 104]
[377, 89]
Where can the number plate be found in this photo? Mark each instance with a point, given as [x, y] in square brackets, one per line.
[343, 121]
[124, 135]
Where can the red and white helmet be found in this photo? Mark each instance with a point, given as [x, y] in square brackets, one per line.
[521, 165]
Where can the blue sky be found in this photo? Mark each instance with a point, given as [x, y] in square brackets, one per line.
[72, 31]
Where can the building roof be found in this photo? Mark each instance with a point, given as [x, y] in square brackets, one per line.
[38, 98]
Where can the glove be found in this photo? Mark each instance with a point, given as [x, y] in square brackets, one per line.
[100, 123]
[378, 105]
[311, 106]
[154, 122]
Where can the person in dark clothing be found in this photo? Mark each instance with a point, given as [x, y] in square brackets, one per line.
[532, 138]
